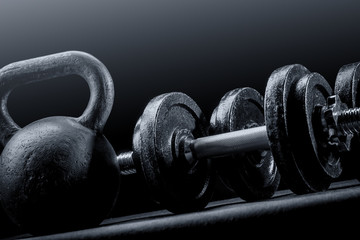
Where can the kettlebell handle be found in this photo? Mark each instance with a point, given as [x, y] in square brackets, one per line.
[59, 65]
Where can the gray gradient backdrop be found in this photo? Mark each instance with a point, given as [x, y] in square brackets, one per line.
[201, 47]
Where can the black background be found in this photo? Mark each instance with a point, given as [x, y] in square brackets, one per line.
[203, 48]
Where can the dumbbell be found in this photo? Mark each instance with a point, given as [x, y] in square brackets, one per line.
[307, 129]
[173, 153]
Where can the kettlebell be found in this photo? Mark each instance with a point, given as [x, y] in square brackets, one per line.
[58, 173]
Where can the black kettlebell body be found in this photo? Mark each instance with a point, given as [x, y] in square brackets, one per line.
[54, 168]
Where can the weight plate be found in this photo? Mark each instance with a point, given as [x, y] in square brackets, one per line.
[347, 87]
[252, 175]
[347, 84]
[174, 183]
[318, 161]
[280, 117]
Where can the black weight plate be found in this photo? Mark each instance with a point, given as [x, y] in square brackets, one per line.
[175, 184]
[347, 87]
[252, 175]
[318, 162]
[278, 96]
[347, 84]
